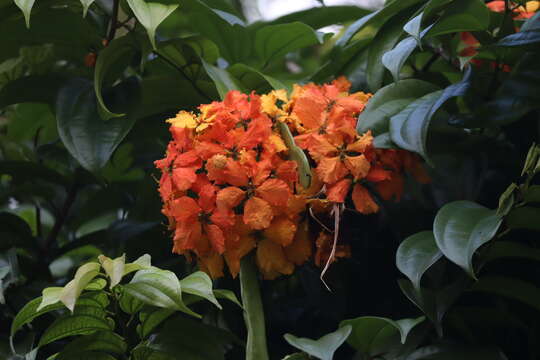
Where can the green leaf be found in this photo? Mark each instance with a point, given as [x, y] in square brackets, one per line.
[222, 79]
[520, 38]
[143, 262]
[275, 41]
[73, 325]
[462, 15]
[394, 59]
[532, 195]
[130, 304]
[86, 5]
[227, 295]
[296, 154]
[100, 341]
[111, 62]
[388, 101]
[297, 356]
[414, 27]
[374, 335]
[150, 15]
[525, 217]
[506, 200]
[507, 249]
[318, 17]
[96, 284]
[50, 296]
[532, 155]
[254, 80]
[29, 312]
[199, 284]
[416, 254]
[72, 290]
[512, 288]
[151, 318]
[26, 8]
[88, 139]
[323, 348]
[33, 88]
[159, 288]
[384, 41]
[114, 268]
[461, 227]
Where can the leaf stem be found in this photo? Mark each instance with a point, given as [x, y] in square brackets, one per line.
[181, 71]
[256, 348]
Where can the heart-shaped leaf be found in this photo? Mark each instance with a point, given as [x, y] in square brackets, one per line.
[88, 139]
[26, 8]
[150, 15]
[325, 347]
[461, 227]
[416, 254]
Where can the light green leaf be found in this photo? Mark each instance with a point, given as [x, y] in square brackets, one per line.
[296, 154]
[325, 347]
[113, 268]
[394, 59]
[388, 101]
[227, 295]
[414, 27]
[150, 15]
[532, 156]
[159, 288]
[110, 63]
[461, 227]
[96, 284]
[73, 325]
[200, 284]
[143, 262]
[506, 200]
[222, 79]
[275, 41]
[416, 254]
[72, 290]
[50, 296]
[374, 335]
[86, 5]
[26, 8]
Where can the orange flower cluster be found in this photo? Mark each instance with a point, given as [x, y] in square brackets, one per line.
[228, 185]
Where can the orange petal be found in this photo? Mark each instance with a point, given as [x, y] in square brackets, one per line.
[206, 149]
[274, 191]
[363, 202]
[319, 147]
[207, 198]
[233, 255]
[184, 177]
[185, 209]
[287, 171]
[331, 170]
[392, 188]
[365, 141]
[212, 265]
[224, 218]
[378, 173]
[188, 158]
[229, 197]
[235, 174]
[271, 259]
[257, 213]
[413, 164]
[216, 237]
[257, 132]
[358, 166]
[215, 168]
[186, 236]
[300, 250]
[338, 191]
[309, 108]
[281, 231]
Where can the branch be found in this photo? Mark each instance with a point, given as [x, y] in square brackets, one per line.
[62, 216]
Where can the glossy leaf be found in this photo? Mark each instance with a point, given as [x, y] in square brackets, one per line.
[521, 38]
[98, 342]
[388, 101]
[73, 325]
[462, 15]
[73, 289]
[114, 268]
[89, 139]
[323, 348]
[199, 284]
[318, 17]
[143, 262]
[50, 296]
[227, 295]
[394, 59]
[222, 79]
[30, 311]
[461, 227]
[26, 8]
[150, 15]
[159, 288]
[114, 58]
[525, 217]
[416, 254]
[275, 41]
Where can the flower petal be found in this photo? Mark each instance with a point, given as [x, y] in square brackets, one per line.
[230, 197]
[331, 170]
[275, 191]
[184, 177]
[216, 237]
[185, 209]
[257, 213]
[363, 202]
[212, 265]
[281, 231]
[271, 259]
[301, 248]
[358, 166]
[338, 191]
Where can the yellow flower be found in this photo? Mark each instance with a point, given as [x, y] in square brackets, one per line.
[184, 119]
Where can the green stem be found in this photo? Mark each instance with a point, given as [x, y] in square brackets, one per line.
[256, 348]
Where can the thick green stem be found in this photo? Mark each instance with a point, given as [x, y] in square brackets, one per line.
[253, 310]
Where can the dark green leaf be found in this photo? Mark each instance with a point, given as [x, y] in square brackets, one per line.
[416, 254]
[130, 304]
[318, 17]
[222, 79]
[323, 348]
[461, 227]
[274, 41]
[525, 217]
[507, 249]
[253, 80]
[29, 312]
[33, 88]
[152, 317]
[73, 325]
[150, 15]
[462, 15]
[511, 288]
[532, 195]
[388, 101]
[89, 139]
[100, 341]
[506, 200]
